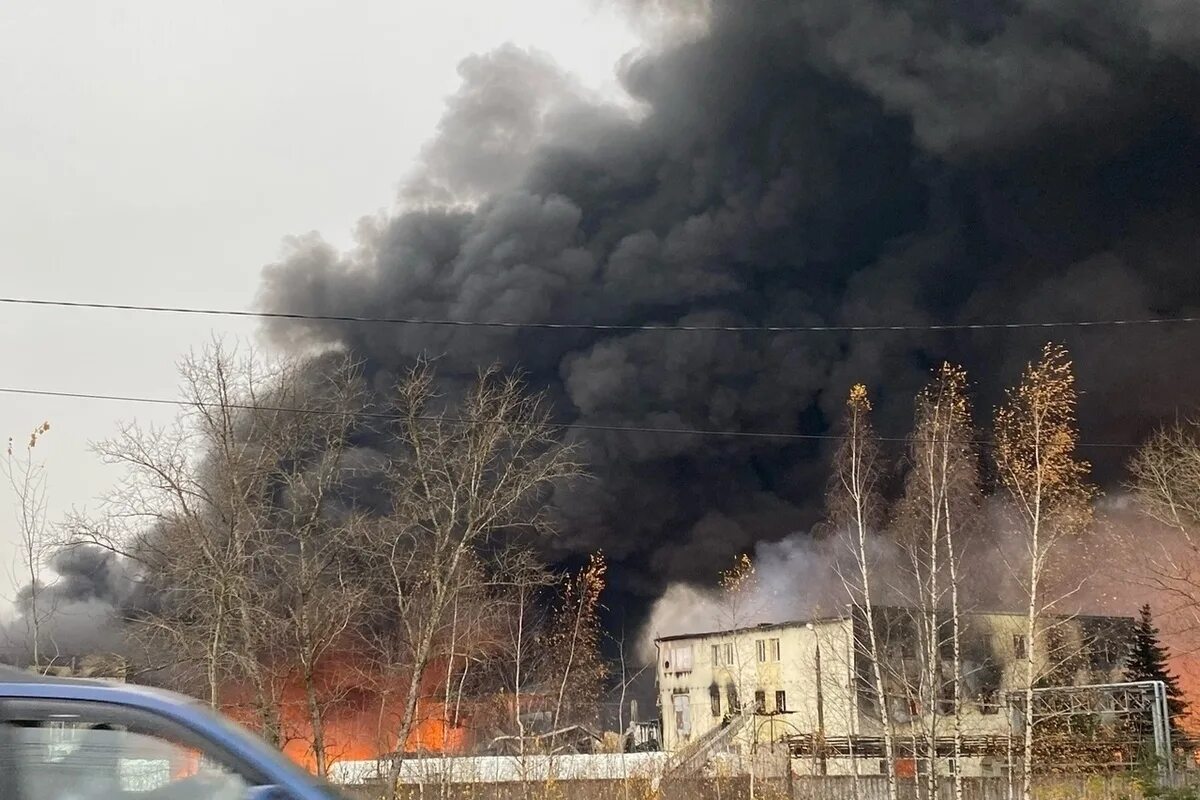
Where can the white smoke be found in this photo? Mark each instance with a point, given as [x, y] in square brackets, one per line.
[796, 578]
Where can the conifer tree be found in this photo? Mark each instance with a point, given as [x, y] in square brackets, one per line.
[1147, 661]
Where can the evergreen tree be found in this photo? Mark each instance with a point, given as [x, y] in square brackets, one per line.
[1147, 661]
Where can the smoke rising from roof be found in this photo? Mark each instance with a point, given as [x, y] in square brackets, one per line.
[827, 161]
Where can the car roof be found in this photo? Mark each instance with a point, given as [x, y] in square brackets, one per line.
[17, 684]
[23, 683]
[15, 675]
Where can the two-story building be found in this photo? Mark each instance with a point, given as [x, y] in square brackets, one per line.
[812, 680]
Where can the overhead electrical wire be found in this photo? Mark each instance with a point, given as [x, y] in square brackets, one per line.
[582, 426]
[779, 435]
[598, 326]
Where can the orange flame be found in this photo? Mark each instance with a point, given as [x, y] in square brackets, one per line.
[361, 715]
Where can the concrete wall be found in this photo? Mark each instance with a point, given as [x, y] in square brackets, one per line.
[794, 673]
[690, 669]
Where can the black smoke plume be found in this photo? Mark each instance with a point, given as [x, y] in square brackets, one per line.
[787, 163]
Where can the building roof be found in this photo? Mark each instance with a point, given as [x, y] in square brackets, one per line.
[762, 626]
[822, 620]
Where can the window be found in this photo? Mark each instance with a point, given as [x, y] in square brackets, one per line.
[680, 658]
[780, 702]
[760, 701]
[768, 650]
[988, 701]
[683, 715]
[1018, 646]
[1104, 653]
[714, 699]
[735, 703]
[722, 655]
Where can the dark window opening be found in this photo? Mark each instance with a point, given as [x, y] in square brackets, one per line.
[760, 702]
[988, 701]
[1018, 646]
[714, 698]
[781, 702]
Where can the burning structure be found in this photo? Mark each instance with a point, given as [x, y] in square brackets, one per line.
[687, 278]
[807, 684]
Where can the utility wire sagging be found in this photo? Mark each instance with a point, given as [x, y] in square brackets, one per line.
[596, 326]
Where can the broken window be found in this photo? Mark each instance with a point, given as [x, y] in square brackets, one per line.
[1018, 646]
[683, 715]
[989, 701]
[781, 702]
[735, 703]
[760, 702]
[714, 699]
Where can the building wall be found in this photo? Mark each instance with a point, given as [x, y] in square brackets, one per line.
[738, 667]
[1068, 652]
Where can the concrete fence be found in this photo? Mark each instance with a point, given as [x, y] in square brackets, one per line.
[739, 788]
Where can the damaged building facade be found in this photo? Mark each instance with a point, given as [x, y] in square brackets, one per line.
[808, 686]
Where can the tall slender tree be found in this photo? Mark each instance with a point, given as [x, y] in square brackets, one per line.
[941, 494]
[27, 479]
[579, 668]
[855, 510]
[1049, 498]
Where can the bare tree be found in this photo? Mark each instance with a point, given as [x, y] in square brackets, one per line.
[27, 479]
[1165, 476]
[941, 495]
[209, 504]
[520, 585]
[461, 480]
[315, 601]
[1035, 439]
[576, 661]
[855, 509]
[738, 603]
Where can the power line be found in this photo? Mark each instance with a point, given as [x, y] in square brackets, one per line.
[581, 426]
[595, 326]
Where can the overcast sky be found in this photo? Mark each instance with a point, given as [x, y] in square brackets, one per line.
[158, 151]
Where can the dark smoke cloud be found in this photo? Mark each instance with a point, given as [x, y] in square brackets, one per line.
[80, 608]
[792, 162]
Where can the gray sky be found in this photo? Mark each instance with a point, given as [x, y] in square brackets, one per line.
[158, 151]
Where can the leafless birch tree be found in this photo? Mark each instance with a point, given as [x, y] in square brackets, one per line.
[855, 510]
[26, 478]
[941, 497]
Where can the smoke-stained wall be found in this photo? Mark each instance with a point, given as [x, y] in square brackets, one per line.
[791, 163]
